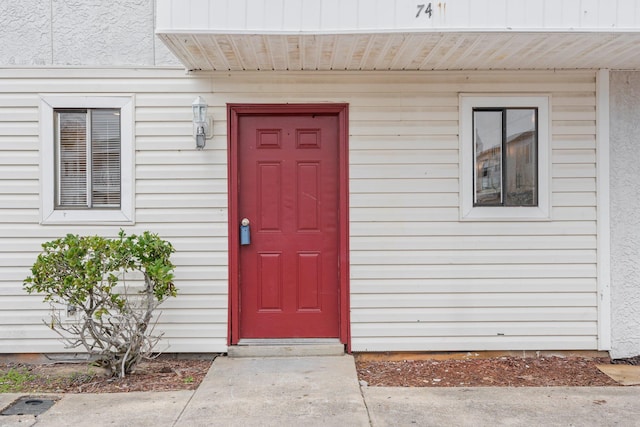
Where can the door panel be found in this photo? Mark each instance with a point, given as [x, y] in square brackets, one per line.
[288, 187]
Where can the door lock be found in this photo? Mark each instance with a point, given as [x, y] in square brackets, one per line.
[245, 232]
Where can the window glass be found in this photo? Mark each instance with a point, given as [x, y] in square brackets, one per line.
[105, 158]
[72, 158]
[88, 149]
[521, 158]
[505, 153]
[488, 155]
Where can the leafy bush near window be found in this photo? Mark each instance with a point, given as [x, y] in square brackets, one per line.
[103, 294]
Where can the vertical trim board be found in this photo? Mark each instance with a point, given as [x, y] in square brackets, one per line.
[603, 214]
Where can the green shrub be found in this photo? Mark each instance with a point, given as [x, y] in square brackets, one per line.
[113, 285]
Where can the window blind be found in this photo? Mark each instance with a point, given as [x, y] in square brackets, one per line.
[105, 158]
[72, 159]
[88, 151]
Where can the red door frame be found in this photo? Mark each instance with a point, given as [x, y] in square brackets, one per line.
[234, 111]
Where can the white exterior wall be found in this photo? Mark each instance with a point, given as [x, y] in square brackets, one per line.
[80, 33]
[420, 278]
[398, 15]
[625, 205]
[180, 193]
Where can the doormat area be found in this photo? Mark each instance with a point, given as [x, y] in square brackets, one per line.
[622, 374]
[29, 405]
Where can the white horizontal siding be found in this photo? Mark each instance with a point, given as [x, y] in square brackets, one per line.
[473, 343]
[441, 243]
[473, 257]
[572, 212]
[183, 200]
[420, 279]
[497, 315]
[385, 15]
[476, 285]
[514, 299]
[473, 329]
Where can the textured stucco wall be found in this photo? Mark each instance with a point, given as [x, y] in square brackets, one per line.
[90, 33]
[625, 213]
[25, 32]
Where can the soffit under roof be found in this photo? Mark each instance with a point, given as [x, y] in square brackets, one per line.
[450, 50]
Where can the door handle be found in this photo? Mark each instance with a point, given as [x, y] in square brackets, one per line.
[245, 232]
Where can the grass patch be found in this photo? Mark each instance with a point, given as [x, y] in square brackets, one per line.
[14, 380]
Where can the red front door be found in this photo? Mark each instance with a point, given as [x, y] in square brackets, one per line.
[288, 189]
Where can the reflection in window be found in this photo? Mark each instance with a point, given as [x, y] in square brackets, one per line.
[505, 144]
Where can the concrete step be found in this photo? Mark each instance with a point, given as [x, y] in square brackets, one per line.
[286, 348]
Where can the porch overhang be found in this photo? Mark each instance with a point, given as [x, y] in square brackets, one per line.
[400, 34]
[215, 50]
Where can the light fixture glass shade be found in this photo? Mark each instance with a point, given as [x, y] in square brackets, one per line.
[201, 123]
[199, 110]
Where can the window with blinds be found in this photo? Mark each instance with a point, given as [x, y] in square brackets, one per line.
[88, 157]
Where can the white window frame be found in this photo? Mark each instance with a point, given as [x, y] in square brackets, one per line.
[49, 213]
[469, 212]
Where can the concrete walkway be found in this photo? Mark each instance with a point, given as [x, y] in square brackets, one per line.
[506, 406]
[319, 391]
[324, 391]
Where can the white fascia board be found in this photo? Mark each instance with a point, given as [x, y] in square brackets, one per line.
[346, 16]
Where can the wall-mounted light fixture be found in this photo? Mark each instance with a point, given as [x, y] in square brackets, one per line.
[201, 122]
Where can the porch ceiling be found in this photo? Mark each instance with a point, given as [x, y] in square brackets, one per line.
[405, 50]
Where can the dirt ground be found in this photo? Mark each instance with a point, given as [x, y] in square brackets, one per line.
[504, 371]
[154, 375]
[179, 374]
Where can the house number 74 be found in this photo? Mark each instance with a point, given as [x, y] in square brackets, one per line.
[424, 9]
